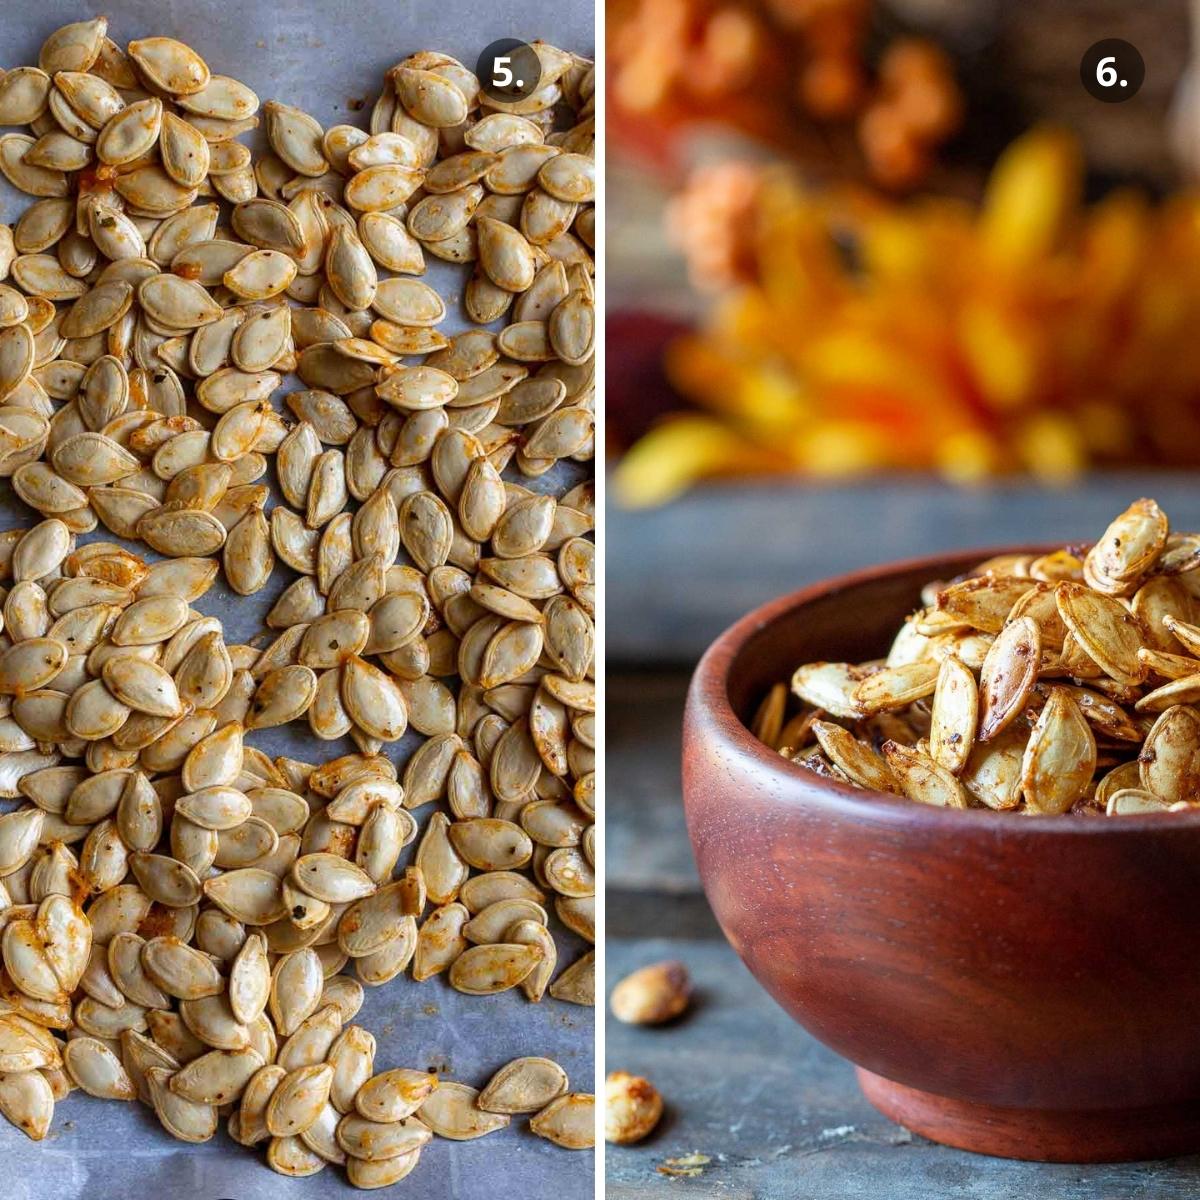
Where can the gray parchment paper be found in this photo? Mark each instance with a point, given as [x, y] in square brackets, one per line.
[327, 58]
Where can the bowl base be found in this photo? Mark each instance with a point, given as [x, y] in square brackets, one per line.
[1038, 1135]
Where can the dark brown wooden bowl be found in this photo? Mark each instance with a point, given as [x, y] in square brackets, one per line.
[1028, 987]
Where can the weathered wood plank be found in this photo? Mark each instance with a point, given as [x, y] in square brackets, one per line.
[781, 1117]
[648, 848]
[678, 575]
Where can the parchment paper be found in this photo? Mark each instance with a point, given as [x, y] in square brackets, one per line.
[326, 58]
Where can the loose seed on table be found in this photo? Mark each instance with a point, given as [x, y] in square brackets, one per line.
[632, 1107]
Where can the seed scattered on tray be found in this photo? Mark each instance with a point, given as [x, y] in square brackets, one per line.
[1044, 685]
[177, 908]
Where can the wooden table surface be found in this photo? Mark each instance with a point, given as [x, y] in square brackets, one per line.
[777, 1114]
[678, 575]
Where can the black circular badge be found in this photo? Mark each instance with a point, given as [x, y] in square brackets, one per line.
[1112, 71]
[509, 71]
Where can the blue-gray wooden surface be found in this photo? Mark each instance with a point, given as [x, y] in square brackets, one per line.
[779, 1115]
[677, 575]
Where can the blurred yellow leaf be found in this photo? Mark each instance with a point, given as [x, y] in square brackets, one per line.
[1050, 447]
[843, 448]
[1033, 192]
[681, 450]
[1030, 334]
[1002, 351]
[968, 456]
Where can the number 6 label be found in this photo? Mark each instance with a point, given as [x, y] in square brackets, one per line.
[1112, 71]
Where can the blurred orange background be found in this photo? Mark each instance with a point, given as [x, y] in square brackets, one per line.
[882, 237]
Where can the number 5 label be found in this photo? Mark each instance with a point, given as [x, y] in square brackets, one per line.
[509, 71]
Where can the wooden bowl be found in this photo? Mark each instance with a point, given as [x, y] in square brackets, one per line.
[1027, 987]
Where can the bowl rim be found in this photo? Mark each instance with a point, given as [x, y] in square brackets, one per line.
[708, 700]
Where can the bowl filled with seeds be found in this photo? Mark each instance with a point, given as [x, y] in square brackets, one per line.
[948, 812]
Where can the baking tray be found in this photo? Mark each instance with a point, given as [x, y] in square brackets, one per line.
[328, 59]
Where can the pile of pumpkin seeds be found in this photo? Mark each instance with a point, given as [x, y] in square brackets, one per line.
[176, 906]
[1040, 684]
